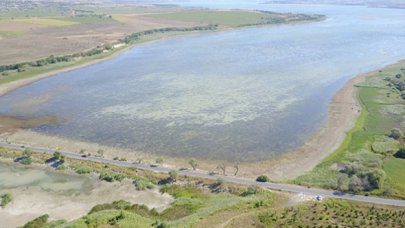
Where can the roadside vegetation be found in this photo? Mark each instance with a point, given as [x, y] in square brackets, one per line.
[370, 161]
[205, 203]
[197, 206]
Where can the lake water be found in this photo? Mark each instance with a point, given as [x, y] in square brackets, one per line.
[247, 94]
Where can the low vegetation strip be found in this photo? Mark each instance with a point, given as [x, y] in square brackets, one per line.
[365, 162]
[236, 18]
[104, 164]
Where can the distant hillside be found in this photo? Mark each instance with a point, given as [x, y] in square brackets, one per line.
[371, 3]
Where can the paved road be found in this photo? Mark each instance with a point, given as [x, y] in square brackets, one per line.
[238, 180]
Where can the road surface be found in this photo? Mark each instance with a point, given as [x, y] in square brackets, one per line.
[238, 180]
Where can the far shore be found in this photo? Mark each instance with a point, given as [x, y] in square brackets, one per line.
[13, 85]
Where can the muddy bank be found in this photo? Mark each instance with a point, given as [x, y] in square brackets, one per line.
[37, 191]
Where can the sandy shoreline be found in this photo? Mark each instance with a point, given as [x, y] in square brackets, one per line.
[343, 112]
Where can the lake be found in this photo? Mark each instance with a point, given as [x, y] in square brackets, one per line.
[242, 95]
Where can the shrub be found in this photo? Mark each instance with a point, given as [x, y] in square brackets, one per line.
[251, 190]
[400, 153]
[110, 177]
[83, 170]
[396, 133]
[142, 183]
[38, 222]
[26, 161]
[262, 178]
[5, 199]
[116, 205]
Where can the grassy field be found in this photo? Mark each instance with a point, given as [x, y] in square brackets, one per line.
[47, 21]
[10, 34]
[395, 169]
[233, 18]
[227, 18]
[334, 213]
[368, 149]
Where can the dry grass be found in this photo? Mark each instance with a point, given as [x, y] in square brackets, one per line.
[66, 36]
[47, 21]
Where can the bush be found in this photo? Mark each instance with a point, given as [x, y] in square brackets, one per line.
[26, 161]
[110, 177]
[400, 153]
[251, 190]
[5, 199]
[38, 222]
[142, 183]
[83, 170]
[262, 178]
[116, 205]
[396, 133]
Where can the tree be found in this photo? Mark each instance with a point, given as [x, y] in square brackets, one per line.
[57, 155]
[193, 164]
[100, 152]
[27, 152]
[376, 179]
[262, 178]
[236, 166]
[396, 133]
[342, 182]
[354, 184]
[173, 175]
[222, 167]
[82, 151]
[159, 160]
[220, 182]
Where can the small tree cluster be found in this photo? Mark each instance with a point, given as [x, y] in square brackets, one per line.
[262, 178]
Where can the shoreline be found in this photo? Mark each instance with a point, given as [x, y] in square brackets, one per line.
[343, 112]
[342, 115]
[6, 88]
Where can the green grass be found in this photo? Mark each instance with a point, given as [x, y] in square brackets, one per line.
[107, 217]
[395, 170]
[10, 34]
[367, 144]
[87, 19]
[333, 213]
[228, 18]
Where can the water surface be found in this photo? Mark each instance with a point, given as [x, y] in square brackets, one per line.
[247, 94]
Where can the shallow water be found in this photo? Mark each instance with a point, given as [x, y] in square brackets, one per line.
[12, 176]
[246, 94]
